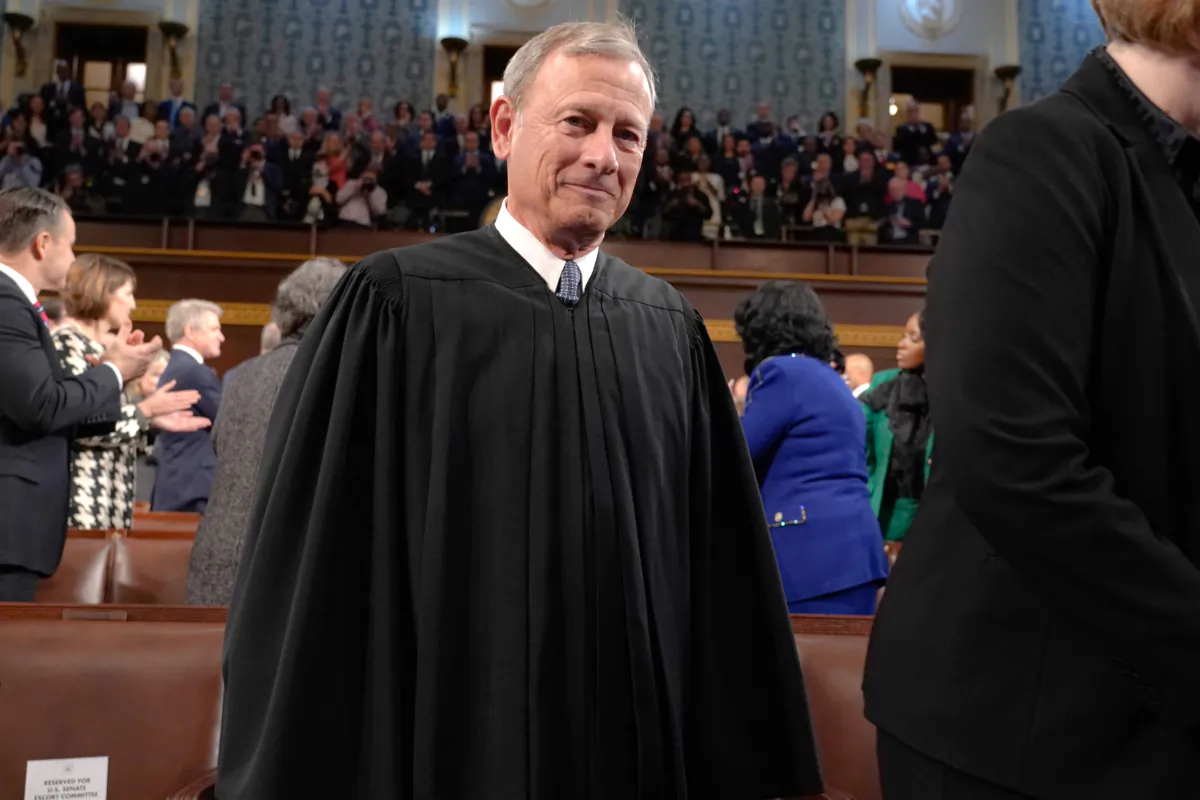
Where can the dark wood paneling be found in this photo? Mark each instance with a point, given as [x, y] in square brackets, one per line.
[756, 257]
[894, 263]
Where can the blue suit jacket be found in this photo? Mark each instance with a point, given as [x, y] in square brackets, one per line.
[186, 460]
[806, 431]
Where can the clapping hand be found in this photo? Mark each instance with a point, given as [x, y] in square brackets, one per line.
[164, 401]
[181, 422]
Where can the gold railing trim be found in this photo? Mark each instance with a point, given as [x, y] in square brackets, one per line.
[719, 330]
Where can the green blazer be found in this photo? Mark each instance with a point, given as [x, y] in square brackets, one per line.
[879, 444]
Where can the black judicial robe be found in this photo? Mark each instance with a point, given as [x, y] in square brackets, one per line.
[505, 549]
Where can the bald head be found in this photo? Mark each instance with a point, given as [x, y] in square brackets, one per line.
[859, 370]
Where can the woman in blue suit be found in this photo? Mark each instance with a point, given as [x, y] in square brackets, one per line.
[806, 431]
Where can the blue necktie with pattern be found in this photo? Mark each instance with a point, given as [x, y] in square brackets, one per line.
[568, 284]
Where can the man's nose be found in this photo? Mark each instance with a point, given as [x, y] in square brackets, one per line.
[600, 151]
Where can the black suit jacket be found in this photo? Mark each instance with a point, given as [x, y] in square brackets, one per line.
[186, 460]
[41, 412]
[1041, 629]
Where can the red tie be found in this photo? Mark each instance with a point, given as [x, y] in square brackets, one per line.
[41, 312]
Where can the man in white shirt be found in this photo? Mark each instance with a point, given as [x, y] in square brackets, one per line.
[41, 410]
[859, 372]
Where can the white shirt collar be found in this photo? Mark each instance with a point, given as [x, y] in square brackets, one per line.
[185, 349]
[22, 283]
[536, 254]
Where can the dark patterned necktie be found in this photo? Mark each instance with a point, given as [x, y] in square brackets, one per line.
[568, 284]
[37, 305]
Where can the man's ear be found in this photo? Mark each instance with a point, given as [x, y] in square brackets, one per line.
[504, 126]
[41, 243]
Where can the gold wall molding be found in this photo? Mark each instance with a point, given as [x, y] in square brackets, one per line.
[719, 330]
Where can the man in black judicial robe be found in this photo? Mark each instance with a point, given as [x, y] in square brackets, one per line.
[507, 540]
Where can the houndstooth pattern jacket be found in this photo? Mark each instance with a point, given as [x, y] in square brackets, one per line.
[103, 468]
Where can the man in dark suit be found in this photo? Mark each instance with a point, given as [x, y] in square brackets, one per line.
[1040, 635]
[329, 117]
[125, 104]
[41, 411]
[256, 188]
[186, 460]
[295, 165]
[905, 216]
[913, 134]
[224, 105]
[60, 96]
[472, 177]
[757, 215]
[712, 142]
[170, 108]
[427, 174]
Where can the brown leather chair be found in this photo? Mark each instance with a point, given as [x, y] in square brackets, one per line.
[83, 575]
[140, 685]
[833, 653]
[169, 523]
[149, 570]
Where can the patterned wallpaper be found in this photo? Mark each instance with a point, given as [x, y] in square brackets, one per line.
[1055, 35]
[713, 54]
[381, 49]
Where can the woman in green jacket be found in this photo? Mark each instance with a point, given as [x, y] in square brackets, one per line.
[899, 434]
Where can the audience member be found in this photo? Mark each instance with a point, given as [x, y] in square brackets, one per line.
[99, 127]
[329, 117]
[899, 434]
[362, 201]
[715, 141]
[860, 369]
[225, 103]
[170, 109]
[684, 130]
[281, 107]
[185, 462]
[713, 186]
[125, 103]
[959, 143]
[98, 295]
[789, 192]
[686, 210]
[241, 429]
[940, 190]
[805, 433]
[825, 211]
[757, 215]
[864, 189]
[848, 162]
[904, 216]
[829, 136]
[472, 178]
[913, 133]
[78, 196]
[61, 95]
[428, 174]
[52, 307]
[19, 168]
[257, 187]
[912, 188]
[42, 410]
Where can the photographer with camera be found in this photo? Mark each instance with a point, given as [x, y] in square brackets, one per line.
[154, 175]
[362, 200]
[256, 189]
[19, 168]
[824, 212]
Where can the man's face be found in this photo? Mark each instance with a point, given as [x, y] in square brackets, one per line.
[226, 93]
[322, 98]
[944, 163]
[296, 140]
[205, 336]
[788, 172]
[810, 145]
[662, 157]
[723, 117]
[684, 180]
[233, 120]
[186, 118]
[442, 102]
[122, 127]
[310, 117]
[897, 188]
[764, 111]
[76, 118]
[576, 146]
[176, 87]
[966, 124]
[212, 125]
[656, 123]
[55, 252]
[75, 178]
[128, 90]
[425, 121]
[824, 165]
[162, 130]
[912, 112]
[429, 141]
[743, 148]
[471, 141]
[866, 164]
[460, 125]
[63, 70]
[758, 186]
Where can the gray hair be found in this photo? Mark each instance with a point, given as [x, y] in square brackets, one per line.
[187, 313]
[616, 40]
[269, 339]
[26, 212]
[301, 294]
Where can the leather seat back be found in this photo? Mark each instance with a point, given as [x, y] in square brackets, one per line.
[144, 691]
[83, 575]
[152, 571]
[833, 654]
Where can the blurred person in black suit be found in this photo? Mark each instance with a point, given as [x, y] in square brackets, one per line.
[60, 96]
[715, 139]
[940, 190]
[329, 117]
[472, 177]
[864, 189]
[73, 146]
[79, 197]
[41, 411]
[233, 143]
[173, 106]
[295, 170]
[789, 191]
[913, 134]
[959, 145]
[125, 104]
[756, 214]
[225, 103]
[428, 173]
[256, 187]
[905, 215]
[1039, 637]
[686, 210]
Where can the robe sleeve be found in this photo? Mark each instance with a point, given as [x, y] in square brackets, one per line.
[314, 643]
[749, 728]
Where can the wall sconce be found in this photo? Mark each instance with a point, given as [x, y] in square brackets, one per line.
[454, 46]
[1007, 75]
[18, 26]
[173, 32]
[868, 67]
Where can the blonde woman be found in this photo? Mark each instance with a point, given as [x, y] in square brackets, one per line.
[98, 297]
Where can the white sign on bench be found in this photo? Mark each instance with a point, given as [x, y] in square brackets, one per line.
[67, 779]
